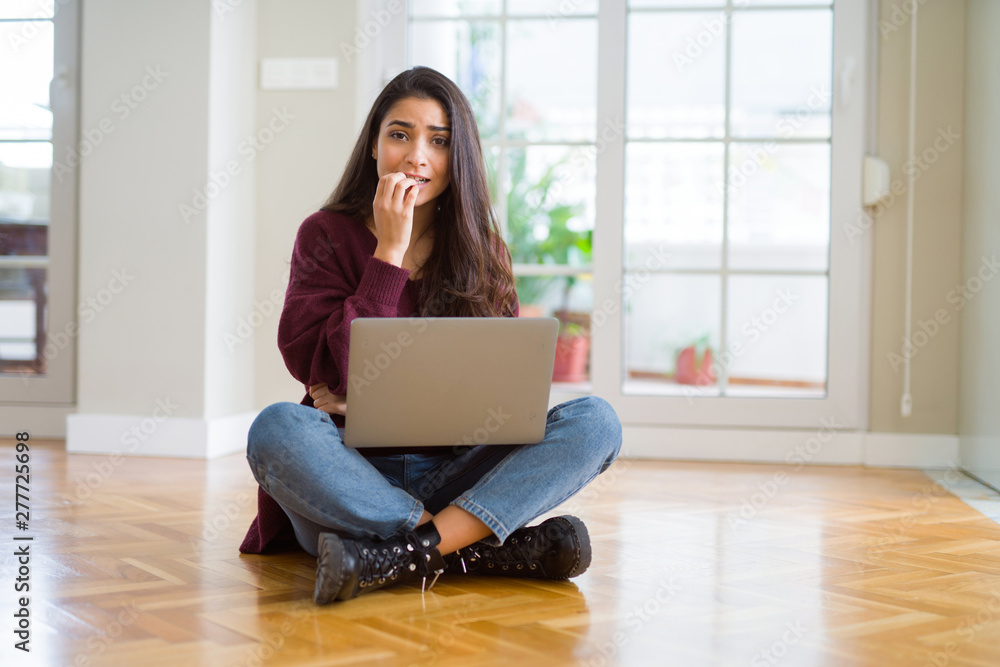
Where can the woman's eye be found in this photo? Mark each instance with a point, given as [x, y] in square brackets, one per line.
[441, 141]
[397, 135]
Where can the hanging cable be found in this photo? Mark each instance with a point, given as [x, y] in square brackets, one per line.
[906, 404]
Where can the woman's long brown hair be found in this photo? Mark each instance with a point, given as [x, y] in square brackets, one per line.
[468, 273]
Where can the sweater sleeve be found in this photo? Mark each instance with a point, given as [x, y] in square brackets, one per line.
[323, 298]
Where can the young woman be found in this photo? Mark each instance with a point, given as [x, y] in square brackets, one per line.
[410, 231]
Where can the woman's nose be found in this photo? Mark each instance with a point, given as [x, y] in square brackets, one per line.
[417, 154]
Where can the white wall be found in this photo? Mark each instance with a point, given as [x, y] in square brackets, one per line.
[169, 86]
[979, 418]
[233, 137]
[299, 170]
[937, 244]
[130, 187]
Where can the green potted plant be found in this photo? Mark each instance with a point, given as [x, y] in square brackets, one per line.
[539, 232]
[538, 229]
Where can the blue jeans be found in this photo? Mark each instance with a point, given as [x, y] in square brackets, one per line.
[298, 456]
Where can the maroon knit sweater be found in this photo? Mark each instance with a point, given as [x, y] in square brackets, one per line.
[334, 279]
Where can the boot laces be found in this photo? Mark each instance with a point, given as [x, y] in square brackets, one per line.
[380, 564]
[515, 554]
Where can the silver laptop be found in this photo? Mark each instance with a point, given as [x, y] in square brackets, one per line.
[445, 381]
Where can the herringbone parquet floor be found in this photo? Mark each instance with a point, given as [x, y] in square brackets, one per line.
[134, 562]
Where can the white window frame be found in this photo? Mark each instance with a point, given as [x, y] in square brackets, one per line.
[41, 402]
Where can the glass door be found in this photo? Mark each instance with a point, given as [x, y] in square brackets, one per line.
[737, 300]
[675, 178]
[38, 107]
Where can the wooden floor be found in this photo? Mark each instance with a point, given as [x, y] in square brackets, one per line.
[134, 562]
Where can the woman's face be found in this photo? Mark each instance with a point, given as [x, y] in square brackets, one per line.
[415, 139]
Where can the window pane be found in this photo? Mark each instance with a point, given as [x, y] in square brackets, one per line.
[17, 324]
[539, 296]
[781, 75]
[571, 299]
[25, 175]
[468, 53]
[550, 204]
[678, 3]
[777, 335]
[22, 299]
[491, 156]
[676, 78]
[556, 295]
[454, 7]
[25, 73]
[25, 179]
[26, 9]
[799, 3]
[670, 320]
[572, 359]
[553, 9]
[721, 4]
[552, 80]
[779, 206]
[673, 203]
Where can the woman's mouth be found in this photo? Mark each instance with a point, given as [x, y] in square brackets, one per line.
[421, 180]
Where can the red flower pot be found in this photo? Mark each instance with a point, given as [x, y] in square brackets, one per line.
[571, 359]
[692, 370]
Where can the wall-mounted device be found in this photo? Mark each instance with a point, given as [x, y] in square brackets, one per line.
[876, 181]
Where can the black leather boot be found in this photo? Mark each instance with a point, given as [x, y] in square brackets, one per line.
[346, 568]
[558, 548]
